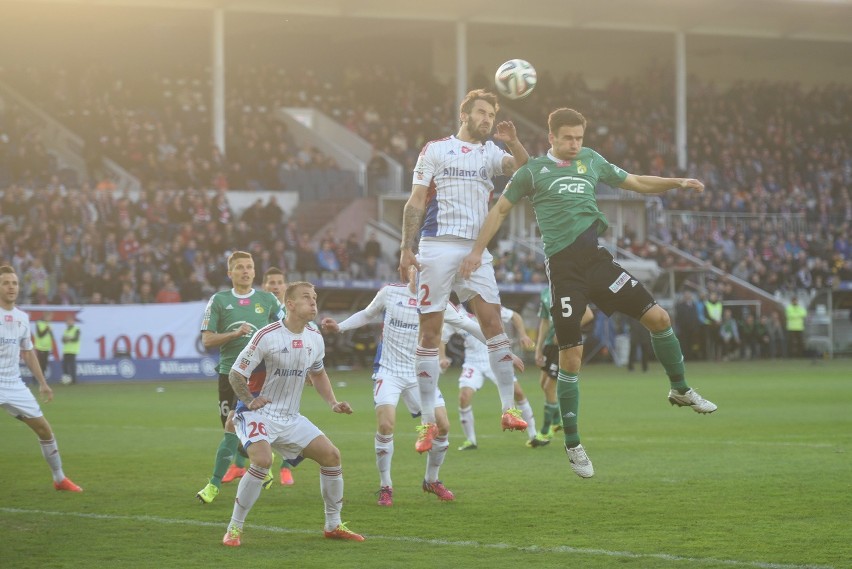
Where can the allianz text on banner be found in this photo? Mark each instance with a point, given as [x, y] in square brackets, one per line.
[132, 341]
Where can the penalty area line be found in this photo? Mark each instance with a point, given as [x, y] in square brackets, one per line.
[564, 549]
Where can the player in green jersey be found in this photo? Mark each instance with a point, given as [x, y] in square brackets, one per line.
[561, 188]
[547, 358]
[230, 319]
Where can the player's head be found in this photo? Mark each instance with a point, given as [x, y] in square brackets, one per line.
[8, 286]
[566, 128]
[241, 269]
[477, 113]
[274, 282]
[301, 300]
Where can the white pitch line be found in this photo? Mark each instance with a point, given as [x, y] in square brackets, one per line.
[439, 542]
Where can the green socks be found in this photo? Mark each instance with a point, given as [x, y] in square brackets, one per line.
[568, 393]
[551, 417]
[667, 348]
[240, 460]
[224, 457]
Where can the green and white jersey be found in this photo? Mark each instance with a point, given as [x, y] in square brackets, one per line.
[227, 311]
[544, 312]
[563, 194]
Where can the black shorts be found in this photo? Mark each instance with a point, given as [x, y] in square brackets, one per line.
[584, 273]
[227, 398]
[551, 360]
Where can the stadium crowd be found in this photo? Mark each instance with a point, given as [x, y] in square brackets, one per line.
[786, 158]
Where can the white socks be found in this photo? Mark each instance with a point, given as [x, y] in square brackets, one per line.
[384, 454]
[247, 494]
[427, 369]
[51, 454]
[436, 457]
[331, 486]
[500, 358]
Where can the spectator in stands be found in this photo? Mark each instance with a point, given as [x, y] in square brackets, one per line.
[729, 335]
[168, 291]
[777, 337]
[752, 335]
[64, 295]
[326, 257]
[687, 323]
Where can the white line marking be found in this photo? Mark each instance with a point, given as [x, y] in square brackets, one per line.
[440, 542]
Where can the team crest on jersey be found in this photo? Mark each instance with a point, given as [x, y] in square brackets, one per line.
[465, 149]
[8, 318]
[259, 309]
[297, 343]
[581, 168]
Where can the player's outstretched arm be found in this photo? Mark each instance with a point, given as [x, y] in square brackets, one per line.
[543, 330]
[658, 185]
[492, 223]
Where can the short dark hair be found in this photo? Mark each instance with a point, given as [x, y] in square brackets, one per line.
[564, 117]
[271, 271]
[6, 269]
[478, 94]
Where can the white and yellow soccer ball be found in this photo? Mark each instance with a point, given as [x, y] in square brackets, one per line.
[515, 79]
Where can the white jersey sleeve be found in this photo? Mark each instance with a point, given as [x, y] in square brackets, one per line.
[457, 320]
[370, 315]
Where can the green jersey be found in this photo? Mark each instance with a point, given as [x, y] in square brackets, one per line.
[544, 312]
[227, 311]
[563, 194]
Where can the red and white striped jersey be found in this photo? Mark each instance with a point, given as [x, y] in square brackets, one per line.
[288, 358]
[459, 176]
[14, 337]
[401, 326]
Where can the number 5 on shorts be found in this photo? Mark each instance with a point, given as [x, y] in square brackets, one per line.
[567, 310]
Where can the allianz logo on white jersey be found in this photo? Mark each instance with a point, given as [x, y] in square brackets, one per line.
[462, 173]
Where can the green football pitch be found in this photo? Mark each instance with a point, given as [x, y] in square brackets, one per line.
[765, 482]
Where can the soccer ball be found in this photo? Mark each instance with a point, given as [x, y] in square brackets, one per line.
[515, 79]
[66, 379]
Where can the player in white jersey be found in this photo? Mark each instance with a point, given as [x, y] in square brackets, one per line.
[15, 396]
[291, 351]
[396, 306]
[448, 203]
[476, 369]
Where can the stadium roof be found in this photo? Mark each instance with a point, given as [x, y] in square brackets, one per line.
[815, 20]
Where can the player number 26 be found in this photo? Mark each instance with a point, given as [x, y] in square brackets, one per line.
[567, 311]
[257, 428]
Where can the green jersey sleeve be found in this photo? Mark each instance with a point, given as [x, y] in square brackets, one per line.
[608, 173]
[520, 185]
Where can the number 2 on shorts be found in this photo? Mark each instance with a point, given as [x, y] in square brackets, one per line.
[425, 300]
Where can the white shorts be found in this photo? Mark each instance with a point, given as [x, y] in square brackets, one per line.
[287, 438]
[387, 389]
[440, 258]
[474, 377]
[19, 401]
